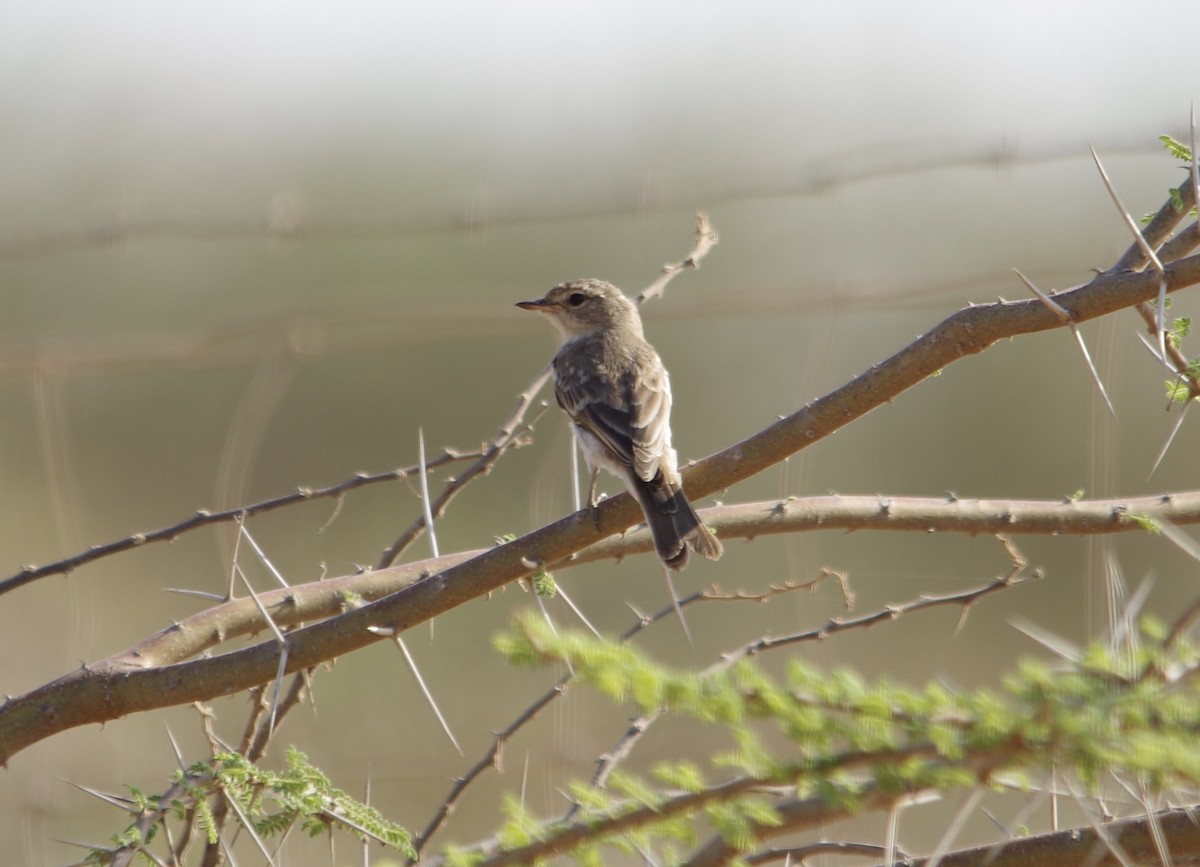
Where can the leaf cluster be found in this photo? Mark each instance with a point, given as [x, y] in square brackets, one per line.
[845, 738]
[273, 802]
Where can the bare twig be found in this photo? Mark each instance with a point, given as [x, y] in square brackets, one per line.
[205, 518]
[512, 434]
[706, 239]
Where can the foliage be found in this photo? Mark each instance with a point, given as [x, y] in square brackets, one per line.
[272, 801]
[848, 739]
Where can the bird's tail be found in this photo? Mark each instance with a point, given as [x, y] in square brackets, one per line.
[674, 524]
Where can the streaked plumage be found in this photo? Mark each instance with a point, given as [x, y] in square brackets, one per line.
[613, 385]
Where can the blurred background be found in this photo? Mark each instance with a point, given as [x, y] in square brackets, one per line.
[246, 247]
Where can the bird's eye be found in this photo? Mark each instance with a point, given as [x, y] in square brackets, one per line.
[576, 299]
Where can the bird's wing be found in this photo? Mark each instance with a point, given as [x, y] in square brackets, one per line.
[600, 409]
[631, 416]
[650, 399]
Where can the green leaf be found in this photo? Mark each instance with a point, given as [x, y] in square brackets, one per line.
[1176, 149]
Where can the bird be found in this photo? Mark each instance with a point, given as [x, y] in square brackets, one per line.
[617, 393]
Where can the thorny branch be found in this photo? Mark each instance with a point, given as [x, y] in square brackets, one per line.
[154, 673]
[305, 603]
[115, 690]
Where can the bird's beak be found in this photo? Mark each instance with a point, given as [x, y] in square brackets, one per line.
[541, 305]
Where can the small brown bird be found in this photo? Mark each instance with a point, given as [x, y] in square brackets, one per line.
[613, 385]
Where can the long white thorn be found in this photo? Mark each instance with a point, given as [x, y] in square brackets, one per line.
[1050, 304]
[1154, 352]
[687, 633]
[1180, 539]
[427, 507]
[262, 556]
[1064, 316]
[433, 545]
[952, 831]
[1170, 438]
[248, 827]
[1087, 359]
[412, 666]
[578, 612]
[175, 748]
[1147, 251]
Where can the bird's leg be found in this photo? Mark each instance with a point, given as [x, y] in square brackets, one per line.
[592, 503]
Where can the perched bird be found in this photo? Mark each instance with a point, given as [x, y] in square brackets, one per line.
[613, 385]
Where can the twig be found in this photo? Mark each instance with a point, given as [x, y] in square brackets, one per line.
[205, 518]
[706, 239]
[511, 434]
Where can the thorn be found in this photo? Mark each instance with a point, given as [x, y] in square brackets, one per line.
[1051, 305]
[678, 608]
[121, 803]
[425, 492]
[261, 555]
[175, 747]
[1066, 318]
[1170, 438]
[578, 613]
[1147, 251]
[412, 666]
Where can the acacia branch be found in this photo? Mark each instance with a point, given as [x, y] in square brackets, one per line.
[160, 671]
[114, 688]
[305, 603]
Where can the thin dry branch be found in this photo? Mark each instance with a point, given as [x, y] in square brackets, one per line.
[205, 518]
[508, 208]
